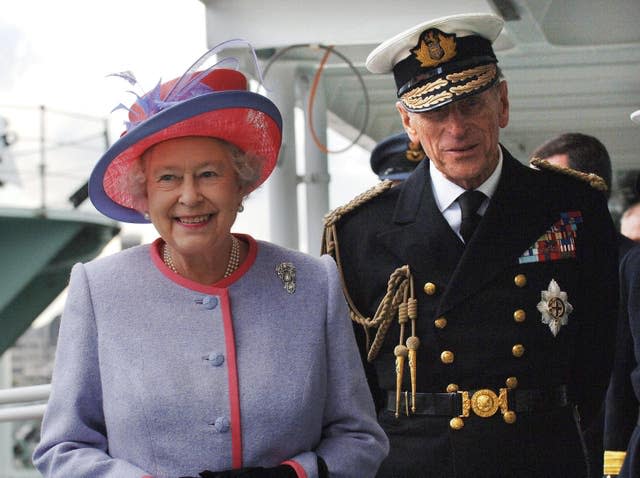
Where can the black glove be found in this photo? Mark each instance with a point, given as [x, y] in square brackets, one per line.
[280, 471]
[323, 471]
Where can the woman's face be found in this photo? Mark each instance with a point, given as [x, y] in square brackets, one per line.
[193, 193]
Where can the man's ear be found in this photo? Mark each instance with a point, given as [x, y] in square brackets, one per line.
[503, 95]
[406, 123]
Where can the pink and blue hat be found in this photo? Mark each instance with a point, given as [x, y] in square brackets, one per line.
[212, 103]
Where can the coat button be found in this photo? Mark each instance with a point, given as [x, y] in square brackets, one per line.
[509, 417]
[210, 302]
[221, 425]
[520, 280]
[456, 423]
[216, 359]
[447, 357]
[519, 315]
[452, 388]
[430, 288]
[440, 322]
[511, 382]
[517, 350]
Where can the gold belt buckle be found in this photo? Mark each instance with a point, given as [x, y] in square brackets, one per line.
[484, 403]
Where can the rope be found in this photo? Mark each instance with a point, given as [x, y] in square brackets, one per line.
[400, 291]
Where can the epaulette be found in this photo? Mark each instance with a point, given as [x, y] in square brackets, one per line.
[334, 216]
[592, 179]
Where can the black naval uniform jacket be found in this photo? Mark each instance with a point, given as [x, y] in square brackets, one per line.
[477, 294]
[622, 433]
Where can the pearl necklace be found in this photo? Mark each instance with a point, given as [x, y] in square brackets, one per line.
[234, 257]
[232, 265]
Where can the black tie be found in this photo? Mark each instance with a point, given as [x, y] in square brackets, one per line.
[469, 203]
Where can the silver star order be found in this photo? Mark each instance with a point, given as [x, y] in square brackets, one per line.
[554, 307]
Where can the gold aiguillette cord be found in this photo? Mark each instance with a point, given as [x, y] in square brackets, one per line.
[401, 353]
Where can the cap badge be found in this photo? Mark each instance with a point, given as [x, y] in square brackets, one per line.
[414, 152]
[287, 273]
[435, 47]
[554, 307]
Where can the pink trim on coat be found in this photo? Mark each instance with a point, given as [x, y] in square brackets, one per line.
[296, 467]
[216, 286]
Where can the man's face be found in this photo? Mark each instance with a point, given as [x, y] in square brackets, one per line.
[461, 138]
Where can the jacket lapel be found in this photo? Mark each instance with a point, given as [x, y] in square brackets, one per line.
[512, 222]
[419, 235]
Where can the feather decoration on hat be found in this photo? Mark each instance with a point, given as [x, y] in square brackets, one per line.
[127, 75]
[186, 87]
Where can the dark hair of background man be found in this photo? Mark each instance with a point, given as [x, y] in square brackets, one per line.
[585, 153]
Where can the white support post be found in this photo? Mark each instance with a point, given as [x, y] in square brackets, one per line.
[282, 185]
[316, 171]
[6, 440]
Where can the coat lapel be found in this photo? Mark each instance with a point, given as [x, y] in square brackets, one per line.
[419, 235]
[512, 222]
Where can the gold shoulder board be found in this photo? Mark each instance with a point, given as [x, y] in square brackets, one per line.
[334, 216]
[592, 179]
[330, 243]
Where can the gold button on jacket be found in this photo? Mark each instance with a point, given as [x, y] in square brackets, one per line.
[430, 288]
[519, 315]
[517, 350]
[440, 323]
[520, 280]
[447, 357]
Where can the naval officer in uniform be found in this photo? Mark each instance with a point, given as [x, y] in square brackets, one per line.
[622, 420]
[482, 289]
[395, 157]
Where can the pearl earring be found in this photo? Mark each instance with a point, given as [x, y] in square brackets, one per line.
[240, 208]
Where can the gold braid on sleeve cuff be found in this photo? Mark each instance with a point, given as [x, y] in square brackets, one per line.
[613, 462]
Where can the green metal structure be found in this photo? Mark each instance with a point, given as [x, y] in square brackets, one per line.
[37, 252]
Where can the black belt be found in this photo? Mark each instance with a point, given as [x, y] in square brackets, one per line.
[483, 402]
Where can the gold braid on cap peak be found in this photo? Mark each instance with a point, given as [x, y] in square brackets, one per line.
[473, 78]
[592, 179]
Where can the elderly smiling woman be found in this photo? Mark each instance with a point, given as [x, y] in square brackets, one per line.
[204, 353]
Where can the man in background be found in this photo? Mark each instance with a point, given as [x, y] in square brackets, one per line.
[395, 157]
[622, 427]
[587, 154]
[630, 222]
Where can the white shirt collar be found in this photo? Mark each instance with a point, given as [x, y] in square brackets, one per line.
[445, 192]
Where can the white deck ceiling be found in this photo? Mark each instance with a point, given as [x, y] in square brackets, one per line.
[571, 65]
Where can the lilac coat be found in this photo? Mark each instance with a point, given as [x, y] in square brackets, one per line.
[156, 375]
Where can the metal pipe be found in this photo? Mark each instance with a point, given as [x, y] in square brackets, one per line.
[27, 412]
[43, 164]
[25, 394]
[316, 178]
[282, 185]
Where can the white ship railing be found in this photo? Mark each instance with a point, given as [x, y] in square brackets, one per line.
[19, 399]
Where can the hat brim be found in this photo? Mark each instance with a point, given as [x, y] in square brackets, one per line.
[387, 54]
[248, 120]
[635, 116]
